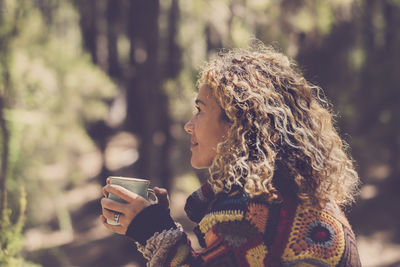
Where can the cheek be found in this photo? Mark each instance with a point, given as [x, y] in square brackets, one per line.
[204, 154]
[221, 133]
[211, 144]
[208, 149]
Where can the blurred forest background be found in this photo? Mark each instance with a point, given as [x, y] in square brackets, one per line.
[90, 88]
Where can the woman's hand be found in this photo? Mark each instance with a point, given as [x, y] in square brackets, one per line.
[162, 195]
[128, 211]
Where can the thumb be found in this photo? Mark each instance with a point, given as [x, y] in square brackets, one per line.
[162, 195]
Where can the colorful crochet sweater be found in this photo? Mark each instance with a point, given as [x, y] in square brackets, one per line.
[235, 230]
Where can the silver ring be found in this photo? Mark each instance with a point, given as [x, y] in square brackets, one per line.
[116, 217]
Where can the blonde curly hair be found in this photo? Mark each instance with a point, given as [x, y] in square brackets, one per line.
[278, 121]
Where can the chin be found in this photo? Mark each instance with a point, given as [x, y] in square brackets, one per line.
[199, 165]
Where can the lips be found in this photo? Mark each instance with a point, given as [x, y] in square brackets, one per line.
[193, 144]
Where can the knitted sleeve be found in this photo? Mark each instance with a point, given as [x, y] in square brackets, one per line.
[230, 233]
[156, 235]
[162, 246]
[154, 218]
[172, 248]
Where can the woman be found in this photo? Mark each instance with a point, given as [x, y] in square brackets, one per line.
[278, 175]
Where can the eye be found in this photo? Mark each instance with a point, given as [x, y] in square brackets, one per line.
[196, 110]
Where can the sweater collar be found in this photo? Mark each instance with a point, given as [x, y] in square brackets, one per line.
[197, 204]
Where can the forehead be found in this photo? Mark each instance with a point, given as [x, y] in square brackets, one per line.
[207, 98]
[205, 93]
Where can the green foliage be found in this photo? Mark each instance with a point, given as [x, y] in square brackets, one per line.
[11, 240]
[10, 226]
[57, 92]
[54, 91]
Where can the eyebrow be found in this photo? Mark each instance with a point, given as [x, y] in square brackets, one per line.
[198, 101]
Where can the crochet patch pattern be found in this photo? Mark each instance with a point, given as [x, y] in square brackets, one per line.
[198, 203]
[257, 215]
[235, 234]
[236, 230]
[215, 251]
[316, 237]
[255, 256]
[180, 255]
[228, 208]
[211, 238]
[217, 217]
[225, 260]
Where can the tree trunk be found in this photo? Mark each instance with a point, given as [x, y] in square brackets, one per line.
[172, 67]
[174, 58]
[88, 22]
[113, 13]
[391, 14]
[144, 83]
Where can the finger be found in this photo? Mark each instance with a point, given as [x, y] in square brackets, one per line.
[113, 228]
[109, 214]
[122, 193]
[113, 205]
[161, 192]
[105, 194]
[162, 195]
[122, 219]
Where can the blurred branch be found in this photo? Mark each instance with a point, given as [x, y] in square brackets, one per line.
[5, 35]
[4, 158]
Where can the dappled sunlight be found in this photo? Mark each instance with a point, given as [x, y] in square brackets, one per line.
[378, 172]
[117, 113]
[77, 197]
[36, 239]
[121, 151]
[368, 191]
[95, 233]
[90, 163]
[43, 237]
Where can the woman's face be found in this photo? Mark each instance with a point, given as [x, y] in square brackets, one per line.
[207, 129]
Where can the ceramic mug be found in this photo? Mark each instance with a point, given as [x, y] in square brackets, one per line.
[135, 185]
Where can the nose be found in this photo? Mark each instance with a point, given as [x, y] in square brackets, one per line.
[189, 127]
